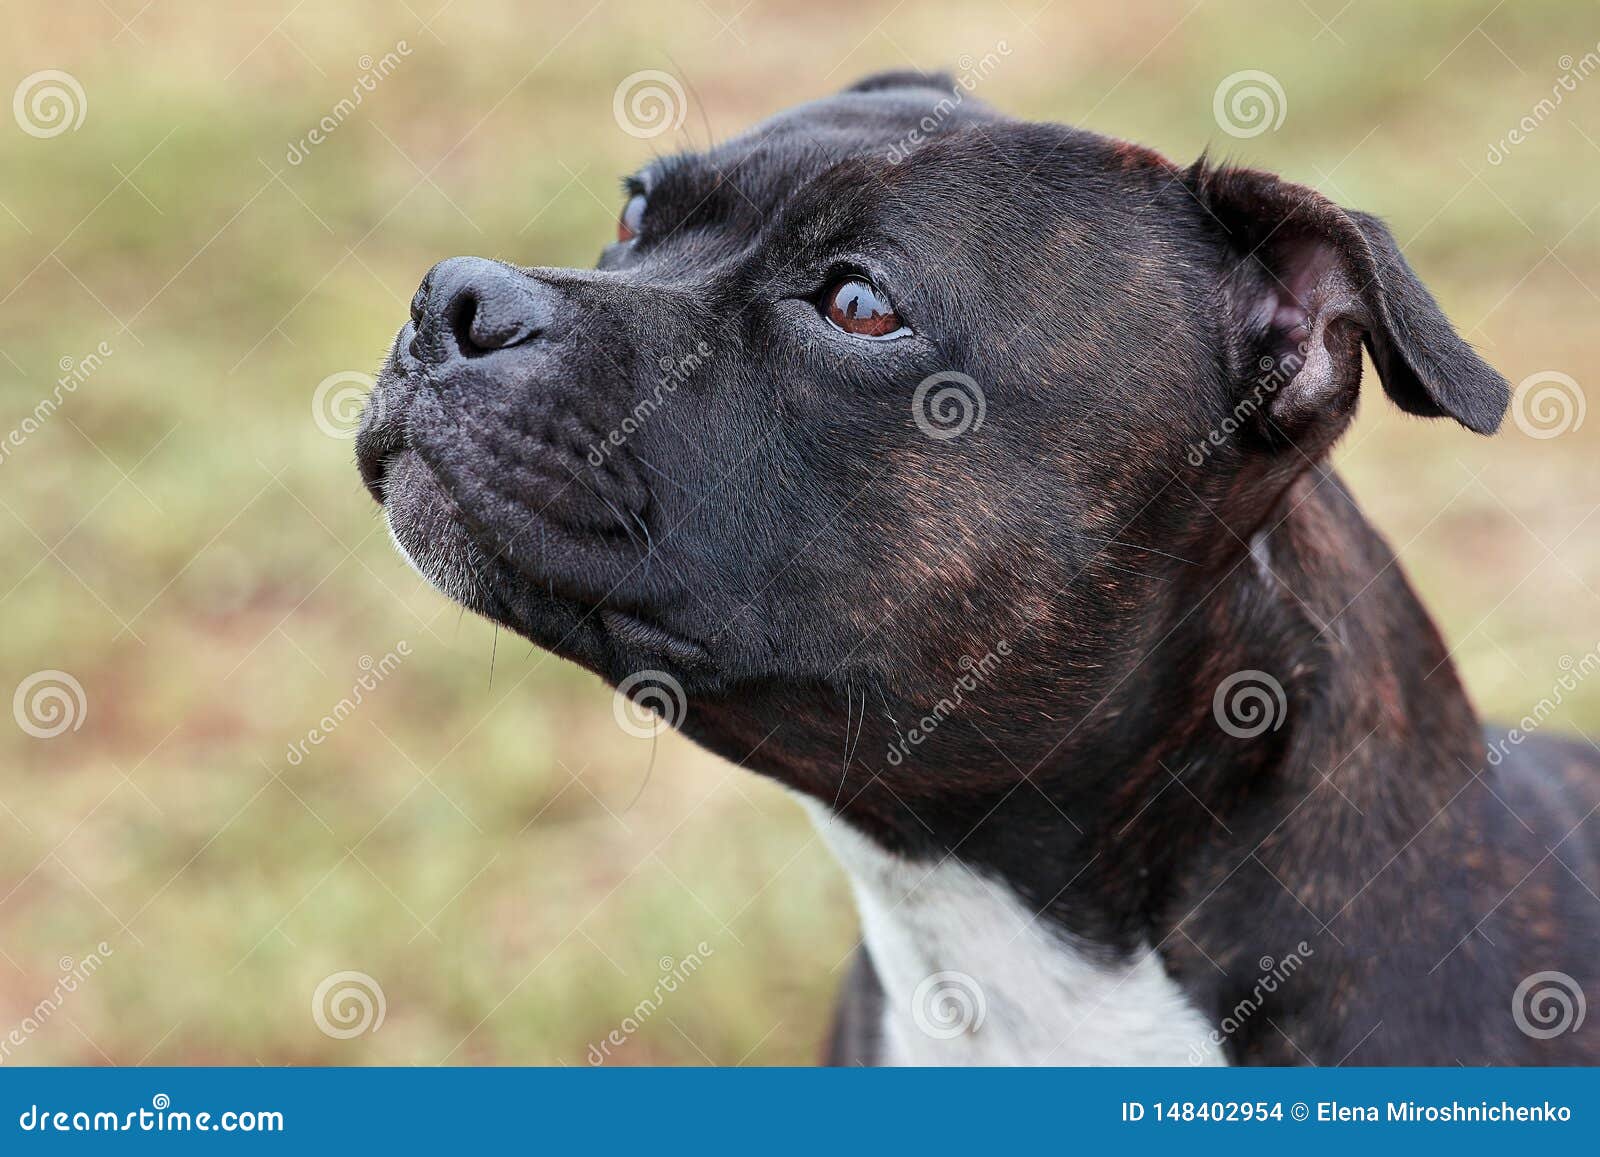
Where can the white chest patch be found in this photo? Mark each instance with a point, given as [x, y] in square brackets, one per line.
[971, 978]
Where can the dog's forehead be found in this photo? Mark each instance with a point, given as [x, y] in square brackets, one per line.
[785, 151]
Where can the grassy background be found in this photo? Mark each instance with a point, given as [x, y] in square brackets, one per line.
[184, 540]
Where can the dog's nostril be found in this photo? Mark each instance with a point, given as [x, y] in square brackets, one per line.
[469, 307]
[499, 314]
[460, 317]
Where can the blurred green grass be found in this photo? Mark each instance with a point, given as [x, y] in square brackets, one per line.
[183, 539]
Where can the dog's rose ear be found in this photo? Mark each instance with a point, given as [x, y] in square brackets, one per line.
[1307, 283]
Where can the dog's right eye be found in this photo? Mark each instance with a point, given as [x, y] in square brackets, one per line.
[856, 306]
[632, 218]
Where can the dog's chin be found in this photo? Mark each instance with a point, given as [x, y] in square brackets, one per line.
[426, 528]
[430, 533]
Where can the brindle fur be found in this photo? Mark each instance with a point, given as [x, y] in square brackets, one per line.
[783, 540]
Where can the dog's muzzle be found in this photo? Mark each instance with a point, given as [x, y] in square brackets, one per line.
[479, 438]
[467, 310]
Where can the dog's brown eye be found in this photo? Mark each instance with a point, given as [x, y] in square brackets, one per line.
[632, 219]
[856, 306]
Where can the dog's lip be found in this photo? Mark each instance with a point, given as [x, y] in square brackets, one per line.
[373, 462]
[629, 628]
[381, 434]
[383, 445]
[632, 628]
[378, 443]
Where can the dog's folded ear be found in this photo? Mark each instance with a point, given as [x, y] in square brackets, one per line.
[1306, 283]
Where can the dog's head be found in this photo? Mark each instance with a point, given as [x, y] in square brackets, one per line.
[892, 412]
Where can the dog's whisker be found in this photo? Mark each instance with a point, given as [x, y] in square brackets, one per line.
[657, 471]
[1149, 550]
[844, 772]
[887, 714]
[649, 549]
[1130, 570]
[700, 105]
[861, 725]
[649, 769]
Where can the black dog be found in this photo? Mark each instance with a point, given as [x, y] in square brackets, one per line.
[969, 477]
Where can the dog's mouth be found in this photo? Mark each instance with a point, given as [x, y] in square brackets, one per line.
[426, 527]
[491, 442]
[574, 592]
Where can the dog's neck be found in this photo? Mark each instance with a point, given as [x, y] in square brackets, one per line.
[1373, 720]
[1118, 853]
[1371, 705]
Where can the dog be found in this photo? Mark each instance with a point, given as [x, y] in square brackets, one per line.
[968, 477]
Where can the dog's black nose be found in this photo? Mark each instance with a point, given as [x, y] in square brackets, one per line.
[468, 307]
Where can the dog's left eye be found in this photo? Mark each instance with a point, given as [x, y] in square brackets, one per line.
[632, 218]
[857, 306]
